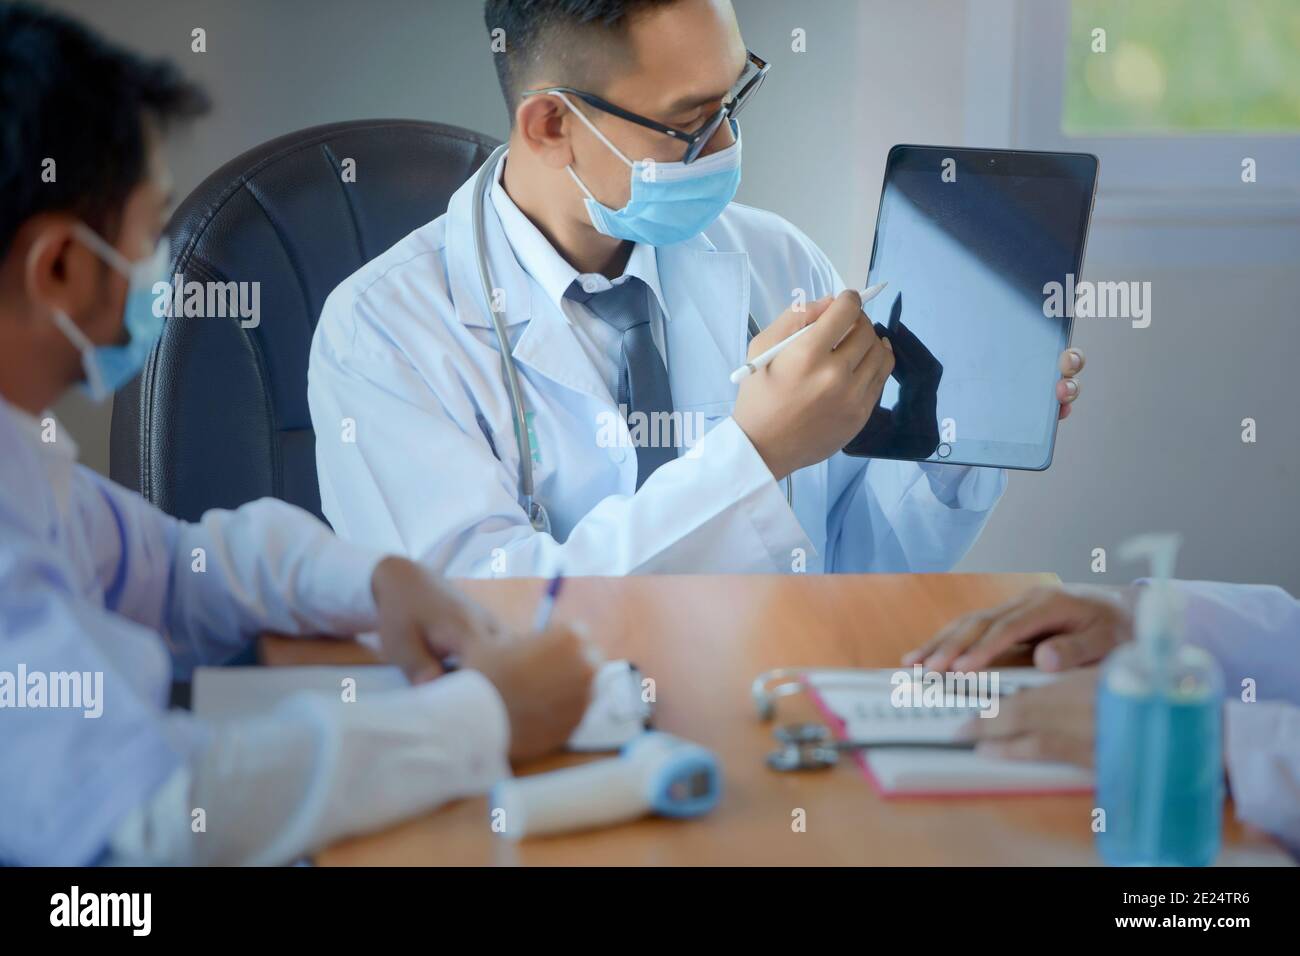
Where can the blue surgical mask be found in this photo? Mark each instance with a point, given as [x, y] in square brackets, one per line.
[109, 367]
[669, 202]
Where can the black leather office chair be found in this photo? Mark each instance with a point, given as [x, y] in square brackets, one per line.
[219, 415]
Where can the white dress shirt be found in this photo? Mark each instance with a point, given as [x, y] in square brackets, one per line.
[601, 342]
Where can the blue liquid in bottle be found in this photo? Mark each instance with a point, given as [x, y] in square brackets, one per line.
[1159, 757]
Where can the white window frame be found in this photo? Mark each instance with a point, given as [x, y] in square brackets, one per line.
[1015, 75]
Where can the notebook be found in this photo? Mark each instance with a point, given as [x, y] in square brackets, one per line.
[616, 714]
[875, 705]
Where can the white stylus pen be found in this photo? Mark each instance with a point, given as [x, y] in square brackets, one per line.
[749, 368]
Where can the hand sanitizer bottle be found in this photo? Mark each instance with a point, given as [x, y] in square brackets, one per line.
[1159, 733]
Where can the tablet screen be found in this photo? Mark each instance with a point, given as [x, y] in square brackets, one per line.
[967, 240]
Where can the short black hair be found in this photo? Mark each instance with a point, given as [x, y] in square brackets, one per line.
[541, 32]
[68, 95]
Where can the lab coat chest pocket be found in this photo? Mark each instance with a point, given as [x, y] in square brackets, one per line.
[707, 298]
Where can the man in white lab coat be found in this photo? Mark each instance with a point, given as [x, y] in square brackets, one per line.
[625, 278]
[103, 598]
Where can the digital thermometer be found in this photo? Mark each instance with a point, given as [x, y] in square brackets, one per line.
[655, 773]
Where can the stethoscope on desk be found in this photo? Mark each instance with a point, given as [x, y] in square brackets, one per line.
[803, 746]
[810, 745]
[536, 511]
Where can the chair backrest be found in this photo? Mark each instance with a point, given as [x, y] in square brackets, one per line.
[219, 415]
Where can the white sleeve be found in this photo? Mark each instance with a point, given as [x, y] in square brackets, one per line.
[209, 587]
[267, 566]
[1263, 757]
[1252, 631]
[274, 788]
[728, 513]
[964, 486]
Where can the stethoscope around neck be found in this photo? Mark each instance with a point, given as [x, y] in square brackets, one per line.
[535, 510]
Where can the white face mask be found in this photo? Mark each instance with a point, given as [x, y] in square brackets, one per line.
[109, 367]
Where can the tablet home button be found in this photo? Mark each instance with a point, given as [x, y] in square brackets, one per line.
[945, 450]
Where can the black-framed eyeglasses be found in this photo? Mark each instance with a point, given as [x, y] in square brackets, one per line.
[750, 80]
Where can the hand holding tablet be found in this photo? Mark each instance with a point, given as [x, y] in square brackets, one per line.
[968, 239]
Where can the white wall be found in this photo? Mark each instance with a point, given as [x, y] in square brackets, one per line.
[1155, 441]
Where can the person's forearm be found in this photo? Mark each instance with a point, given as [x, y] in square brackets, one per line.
[264, 567]
[1252, 631]
[965, 486]
[890, 518]
[271, 789]
[728, 516]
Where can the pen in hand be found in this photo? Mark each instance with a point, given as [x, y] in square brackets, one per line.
[764, 359]
[546, 606]
[541, 619]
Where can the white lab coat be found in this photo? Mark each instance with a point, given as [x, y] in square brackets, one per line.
[1253, 632]
[96, 581]
[415, 441]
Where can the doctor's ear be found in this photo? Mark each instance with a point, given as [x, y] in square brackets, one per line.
[544, 125]
[58, 271]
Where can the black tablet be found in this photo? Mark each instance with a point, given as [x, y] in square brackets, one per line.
[971, 242]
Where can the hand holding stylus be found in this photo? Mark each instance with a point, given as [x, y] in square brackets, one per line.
[764, 359]
[808, 401]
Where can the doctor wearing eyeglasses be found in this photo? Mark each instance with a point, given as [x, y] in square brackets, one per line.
[539, 378]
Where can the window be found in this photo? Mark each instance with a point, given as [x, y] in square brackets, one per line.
[1172, 120]
[1182, 66]
[1184, 94]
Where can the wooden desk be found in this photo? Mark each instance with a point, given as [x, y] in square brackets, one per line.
[703, 639]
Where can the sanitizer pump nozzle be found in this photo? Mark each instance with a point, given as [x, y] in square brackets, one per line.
[1159, 762]
[1158, 626]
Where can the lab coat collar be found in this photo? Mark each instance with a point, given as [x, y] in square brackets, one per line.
[547, 345]
[508, 276]
[700, 289]
[534, 254]
[63, 447]
[26, 472]
[543, 262]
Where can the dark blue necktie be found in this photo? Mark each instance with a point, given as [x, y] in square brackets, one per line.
[642, 377]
